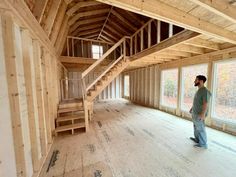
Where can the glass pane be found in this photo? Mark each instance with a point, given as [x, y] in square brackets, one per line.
[188, 89]
[126, 86]
[224, 93]
[169, 88]
[97, 51]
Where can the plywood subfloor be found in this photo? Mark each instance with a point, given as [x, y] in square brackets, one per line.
[127, 140]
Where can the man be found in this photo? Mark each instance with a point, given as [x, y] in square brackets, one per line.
[199, 112]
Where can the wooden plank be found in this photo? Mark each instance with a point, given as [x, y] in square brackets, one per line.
[31, 99]
[85, 22]
[86, 28]
[40, 98]
[149, 34]
[176, 39]
[39, 8]
[78, 60]
[162, 11]
[198, 42]
[222, 8]
[58, 22]
[88, 13]
[27, 20]
[77, 6]
[189, 48]
[124, 20]
[51, 16]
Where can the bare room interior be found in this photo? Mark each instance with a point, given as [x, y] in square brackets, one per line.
[105, 88]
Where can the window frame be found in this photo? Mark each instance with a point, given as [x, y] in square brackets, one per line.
[213, 98]
[126, 96]
[100, 51]
[182, 82]
[162, 88]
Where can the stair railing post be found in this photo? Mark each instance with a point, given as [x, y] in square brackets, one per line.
[124, 49]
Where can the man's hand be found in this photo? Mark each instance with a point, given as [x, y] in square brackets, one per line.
[191, 110]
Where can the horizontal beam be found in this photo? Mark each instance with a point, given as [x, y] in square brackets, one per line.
[158, 10]
[219, 7]
[203, 43]
[170, 42]
[77, 60]
[77, 6]
[84, 22]
[84, 14]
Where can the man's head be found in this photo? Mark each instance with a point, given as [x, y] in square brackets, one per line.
[200, 80]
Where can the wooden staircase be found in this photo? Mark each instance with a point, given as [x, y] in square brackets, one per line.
[74, 114]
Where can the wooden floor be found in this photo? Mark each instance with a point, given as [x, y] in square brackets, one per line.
[127, 140]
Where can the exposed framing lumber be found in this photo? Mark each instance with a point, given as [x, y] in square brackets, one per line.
[198, 42]
[84, 14]
[223, 8]
[48, 23]
[188, 48]
[104, 24]
[87, 21]
[27, 20]
[58, 22]
[77, 6]
[124, 20]
[173, 41]
[109, 35]
[176, 53]
[90, 36]
[205, 58]
[31, 99]
[117, 26]
[106, 38]
[77, 60]
[13, 93]
[88, 32]
[89, 27]
[159, 10]
[39, 9]
[114, 31]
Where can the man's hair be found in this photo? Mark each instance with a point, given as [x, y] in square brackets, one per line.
[202, 78]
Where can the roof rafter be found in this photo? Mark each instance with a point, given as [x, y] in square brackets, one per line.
[84, 14]
[162, 11]
[86, 21]
[220, 7]
[77, 6]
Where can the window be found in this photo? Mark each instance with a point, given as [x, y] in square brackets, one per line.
[188, 89]
[97, 51]
[224, 92]
[126, 85]
[169, 88]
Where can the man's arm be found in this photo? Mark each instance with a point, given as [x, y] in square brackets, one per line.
[204, 109]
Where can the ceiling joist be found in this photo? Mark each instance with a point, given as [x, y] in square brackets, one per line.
[165, 12]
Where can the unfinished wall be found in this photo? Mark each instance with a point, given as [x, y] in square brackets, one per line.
[112, 91]
[144, 86]
[28, 99]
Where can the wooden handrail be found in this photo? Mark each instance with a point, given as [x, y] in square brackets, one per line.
[103, 56]
[116, 61]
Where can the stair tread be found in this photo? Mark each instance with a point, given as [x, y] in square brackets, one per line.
[64, 110]
[71, 117]
[70, 127]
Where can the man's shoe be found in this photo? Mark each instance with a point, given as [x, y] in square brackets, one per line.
[199, 146]
[194, 140]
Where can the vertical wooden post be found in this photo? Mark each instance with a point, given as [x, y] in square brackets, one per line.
[68, 46]
[141, 40]
[149, 34]
[124, 49]
[135, 44]
[179, 93]
[40, 98]
[82, 48]
[31, 98]
[158, 31]
[170, 30]
[72, 47]
[131, 46]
